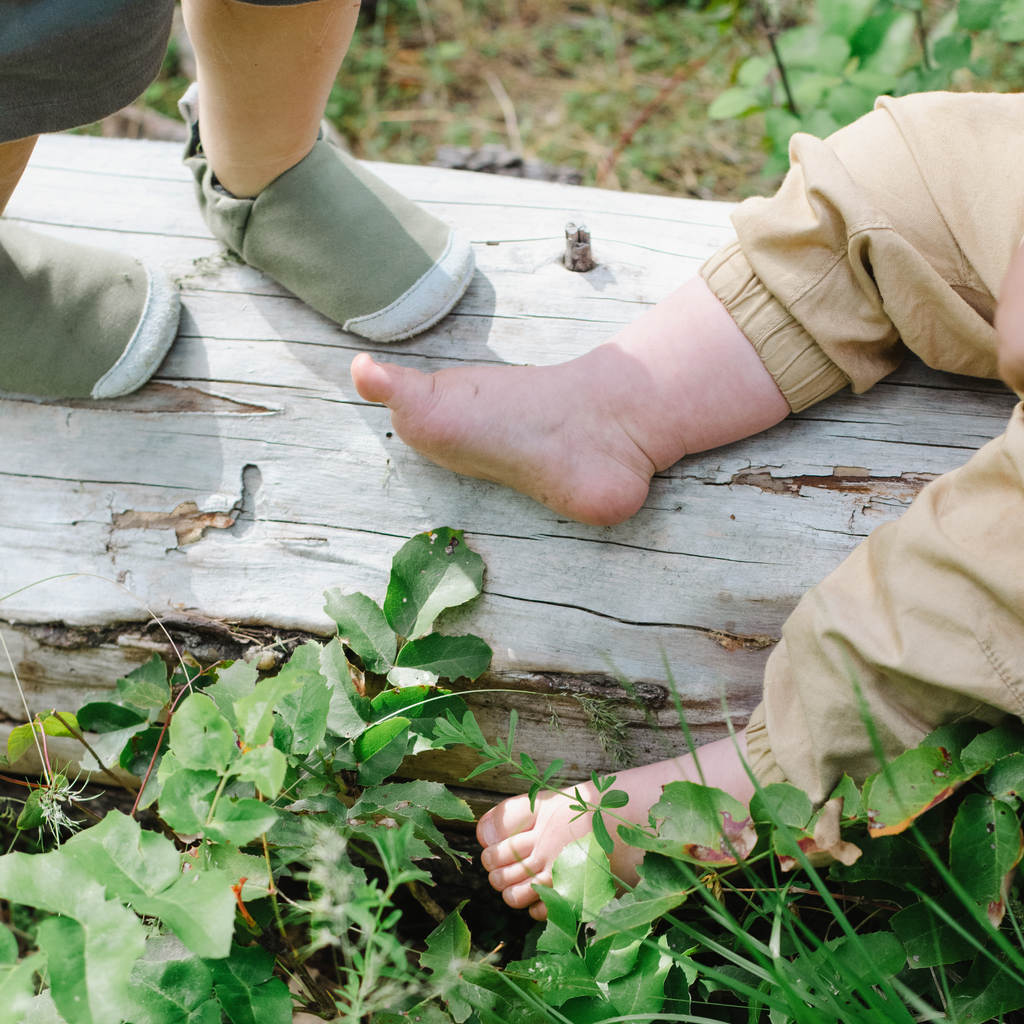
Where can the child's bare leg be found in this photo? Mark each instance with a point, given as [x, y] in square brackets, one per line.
[13, 159]
[585, 437]
[1010, 324]
[520, 846]
[264, 77]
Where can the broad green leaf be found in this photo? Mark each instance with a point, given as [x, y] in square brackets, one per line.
[663, 886]
[247, 991]
[991, 746]
[138, 752]
[754, 70]
[612, 957]
[377, 737]
[427, 1012]
[702, 823]
[265, 766]
[201, 737]
[418, 702]
[385, 760]
[21, 739]
[128, 860]
[17, 989]
[104, 716]
[448, 945]
[735, 102]
[908, 786]
[168, 983]
[892, 859]
[990, 990]
[240, 821]
[31, 815]
[1010, 23]
[1005, 779]
[199, 907]
[146, 687]
[808, 47]
[254, 714]
[557, 976]
[305, 709]
[985, 845]
[781, 802]
[109, 747]
[581, 875]
[348, 711]
[953, 738]
[843, 17]
[237, 865]
[185, 799]
[361, 624]
[847, 789]
[433, 571]
[559, 935]
[885, 41]
[976, 15]
[450, 657]
[953, 52]
[930, 939]
[641, 993]
[847, 102]
[874, 957]
[236, 681]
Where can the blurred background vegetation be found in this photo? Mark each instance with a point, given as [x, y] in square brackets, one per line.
[620, 90]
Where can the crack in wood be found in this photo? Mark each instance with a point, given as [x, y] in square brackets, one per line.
[157, 396]
[844, 479]
[187, 522]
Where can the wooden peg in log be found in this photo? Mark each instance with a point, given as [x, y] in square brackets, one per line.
[578, 256]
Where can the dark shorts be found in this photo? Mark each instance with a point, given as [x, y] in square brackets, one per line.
[65, 63]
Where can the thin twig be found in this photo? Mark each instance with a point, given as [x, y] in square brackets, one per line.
[508, 110]
[608, 165]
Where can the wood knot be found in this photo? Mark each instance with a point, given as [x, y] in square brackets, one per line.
[578, 256]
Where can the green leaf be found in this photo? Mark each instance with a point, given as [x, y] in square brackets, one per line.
[237, 865]
[991, 746]
[448, 945]
[1010, 23]
[559, 935]
[952, 52]
[929, 937]
[31, 815]
[847, 789]
[348, 711]
[103, 716]
[418, 703]
[246, 989]
[265, 766]
[21, 738]
[17, 990]
[558, 977]
[910, 785]
[305, 710]
[129, 860]
[754, 70]
[186, 798]
[641, 993]
[985, 845]
[976, 15]
[1005, 779]
[168, 984]
[8, 946]
[892, 859]
[450, 657]
[385, 761]
[146, 687]
[433, 571]
[581, 875]
[110, 746]
[701, 823]
[808, 47]
[872, 958]
[199, 907]
[990, 990]
[201, 737]
[884, 42]
[781, 802]
[361, 624]
[254, 714]
[240, 821]
[843, 17]
[236, 681]
[377, 737]
[735, 102]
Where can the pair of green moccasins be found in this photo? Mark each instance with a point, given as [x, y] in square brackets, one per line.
[79, 322]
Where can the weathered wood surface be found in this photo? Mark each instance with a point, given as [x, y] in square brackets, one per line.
[249, 475]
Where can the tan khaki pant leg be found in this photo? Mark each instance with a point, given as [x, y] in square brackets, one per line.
[894, 231]
[927, 616]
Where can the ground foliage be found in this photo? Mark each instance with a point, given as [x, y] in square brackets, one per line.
[682, 97]
[255, 786]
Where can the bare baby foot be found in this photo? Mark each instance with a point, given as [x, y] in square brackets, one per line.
[585, 437]
[520, 845]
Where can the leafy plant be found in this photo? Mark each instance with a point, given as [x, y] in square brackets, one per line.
[827, 72]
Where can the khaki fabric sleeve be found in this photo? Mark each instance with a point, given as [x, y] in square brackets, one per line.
[893, 232]
[927, 615]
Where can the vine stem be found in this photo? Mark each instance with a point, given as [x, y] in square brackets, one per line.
[216, 796]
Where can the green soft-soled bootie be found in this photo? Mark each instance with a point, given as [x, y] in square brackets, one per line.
[79, 322]
[338, 237]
